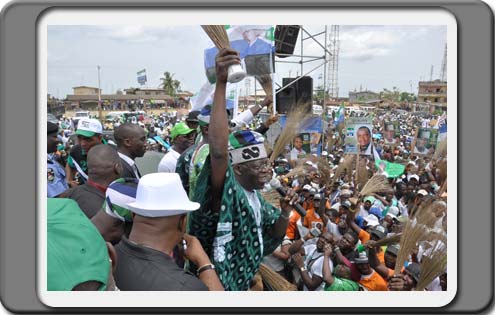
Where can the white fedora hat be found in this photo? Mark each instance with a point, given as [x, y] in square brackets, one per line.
[161, 195]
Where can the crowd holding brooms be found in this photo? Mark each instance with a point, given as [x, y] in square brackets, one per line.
[417, 231]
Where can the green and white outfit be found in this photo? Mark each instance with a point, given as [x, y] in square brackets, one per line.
[235, 238]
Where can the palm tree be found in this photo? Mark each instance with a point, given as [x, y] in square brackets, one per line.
[170, 85]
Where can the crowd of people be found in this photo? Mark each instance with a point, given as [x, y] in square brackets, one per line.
[210, 215]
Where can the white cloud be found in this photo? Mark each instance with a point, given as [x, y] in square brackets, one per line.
[359, 44]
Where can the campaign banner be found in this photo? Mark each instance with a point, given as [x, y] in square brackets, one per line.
[358, 132]
[311, 133]
[425, 141]
[256, 47]
[391, 132]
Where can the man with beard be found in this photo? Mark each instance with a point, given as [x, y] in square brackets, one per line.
[182, 138]
[235, 225]
[311, 267]
[131, 141]
[89, 134]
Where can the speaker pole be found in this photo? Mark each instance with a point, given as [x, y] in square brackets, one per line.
[325, 114]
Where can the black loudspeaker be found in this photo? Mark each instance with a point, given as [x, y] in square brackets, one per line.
[286, 39]
[286, 100]
[302, 90]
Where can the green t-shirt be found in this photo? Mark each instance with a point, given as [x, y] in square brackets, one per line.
[342, 284]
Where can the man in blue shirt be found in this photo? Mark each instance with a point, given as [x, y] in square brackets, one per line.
[56, 183]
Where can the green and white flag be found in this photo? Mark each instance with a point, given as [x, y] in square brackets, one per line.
[392, 170]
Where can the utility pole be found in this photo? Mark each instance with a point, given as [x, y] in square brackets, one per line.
[333, 74]
[99, 96]
[443, 71]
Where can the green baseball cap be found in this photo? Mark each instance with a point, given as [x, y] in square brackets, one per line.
[369, 198]
[180, 129]
[76, 251]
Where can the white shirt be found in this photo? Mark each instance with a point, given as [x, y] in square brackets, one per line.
[168, 162]
[130, 162]
[314, 264]
[334, 229]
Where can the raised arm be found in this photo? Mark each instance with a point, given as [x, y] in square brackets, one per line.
[327, 273]
[374, 261]
[219, 128]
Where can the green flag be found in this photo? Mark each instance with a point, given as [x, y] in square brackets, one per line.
[393, 170]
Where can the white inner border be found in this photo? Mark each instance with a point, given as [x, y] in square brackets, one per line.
[311, 16]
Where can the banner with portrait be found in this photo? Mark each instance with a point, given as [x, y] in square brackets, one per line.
[358, 133]
[256, 47]
[391, 132]
[311, 133]
[425, 141]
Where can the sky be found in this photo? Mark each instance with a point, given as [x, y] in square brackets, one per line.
[371, 57]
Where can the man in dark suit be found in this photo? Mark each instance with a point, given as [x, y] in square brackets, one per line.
[131, 141]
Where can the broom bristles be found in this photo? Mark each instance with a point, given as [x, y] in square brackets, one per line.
[218, 35]
[377, 183]
[434, 264]
[417, 229]
[324, 171]
[389, 240]
[298, 170]
[362, 176]
[294, 120]
[274, 280]
[441, 150]
[267, 84]
[344, 165]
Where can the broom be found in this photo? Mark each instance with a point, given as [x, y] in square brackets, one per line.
[362, 174]
[377, 183]
[220, 39]
[434, 264]
[389, 240]
[295, 172]
[274, 280]
[416, 229]
[266, 83]
[294, 120]
[344, 165]
[324, 171]
[441, 150]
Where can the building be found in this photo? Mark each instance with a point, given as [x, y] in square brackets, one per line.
[133, 98]
[433, 93]
[364, 97]
[85, 90]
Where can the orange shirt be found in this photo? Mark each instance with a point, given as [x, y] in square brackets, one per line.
[292, 231]
[364, 236]
[381, 256]
[311, 219]
[373, 282]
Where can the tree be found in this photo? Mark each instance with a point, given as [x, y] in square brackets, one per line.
[169, 84]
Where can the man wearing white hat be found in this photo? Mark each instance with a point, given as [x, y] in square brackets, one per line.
[89, 133]
[145, 261]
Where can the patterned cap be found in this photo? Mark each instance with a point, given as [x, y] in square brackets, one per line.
[246, 146]
[119, 194]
